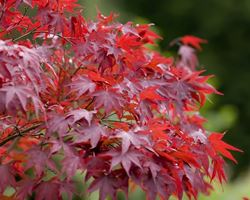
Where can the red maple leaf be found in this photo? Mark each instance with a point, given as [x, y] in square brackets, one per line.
[109, 184]
[221, 146]
[193, 41]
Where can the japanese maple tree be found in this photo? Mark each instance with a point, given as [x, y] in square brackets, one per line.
[91, 97]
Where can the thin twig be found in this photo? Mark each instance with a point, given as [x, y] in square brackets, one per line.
[18, 133]
[26, 34]
[58, 35]
[92, 100]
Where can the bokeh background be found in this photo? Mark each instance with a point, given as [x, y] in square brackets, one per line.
[226, 25]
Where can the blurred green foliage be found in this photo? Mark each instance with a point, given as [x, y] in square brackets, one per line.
[226, 25]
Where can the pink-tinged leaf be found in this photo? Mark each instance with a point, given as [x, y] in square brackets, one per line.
[162, 184]
[132, 138]
[48, 190]
[76, 115]
[7, 177]
[109, 184]
[129, 29]
[93, 133]
[80, 85]
[56, 146]
[28, 2]
[57, 124]
[154, 168]
[109, 100]
[193, 41]
[19, 96]
[71, 162]
[97, 165]
[20, 60]
[39, 160]
[68, 188]
[25, 189]
[126, 159]
[188, 57]
[199, 136]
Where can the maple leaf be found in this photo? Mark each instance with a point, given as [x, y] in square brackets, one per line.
[218, 169]
[71, 162]
[18, 96]
[132, 138]
[128, 29]
[7, 176]
[109, 100]
[126, 159]
[4, 71]
[162, 184]
[76, 115]
[80, 85]
[151, 94]
[222, 147]
[109, 184]
[153, 167]
[54, 20]
[57, 124]
[39, 160]
[25, 188]
[48, 190]
[193, 41]
[188, 57]
[199, 135]
[19, 60]
[93, 133]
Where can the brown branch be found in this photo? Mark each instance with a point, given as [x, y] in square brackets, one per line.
[89, 104]
[56, 34]
[18, 133]
[26, 34]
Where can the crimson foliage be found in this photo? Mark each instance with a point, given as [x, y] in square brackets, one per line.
[92, 97]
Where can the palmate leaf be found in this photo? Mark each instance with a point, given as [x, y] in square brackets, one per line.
[132, 138]
[18, 97]
[60, 123]
[93, 133]
[162, 184]
[109, 184]
[76, 115]
[188, 57]
[109, 99]
[39, 160]
[8, 177]
[193, 41]
[25, 188]
[81, 85]
[126, 159]
[18, 60]
[222, 147]
[51, 190]
[71, 162]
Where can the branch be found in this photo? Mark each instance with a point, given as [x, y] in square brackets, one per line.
[26, 34]
[18, 133]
